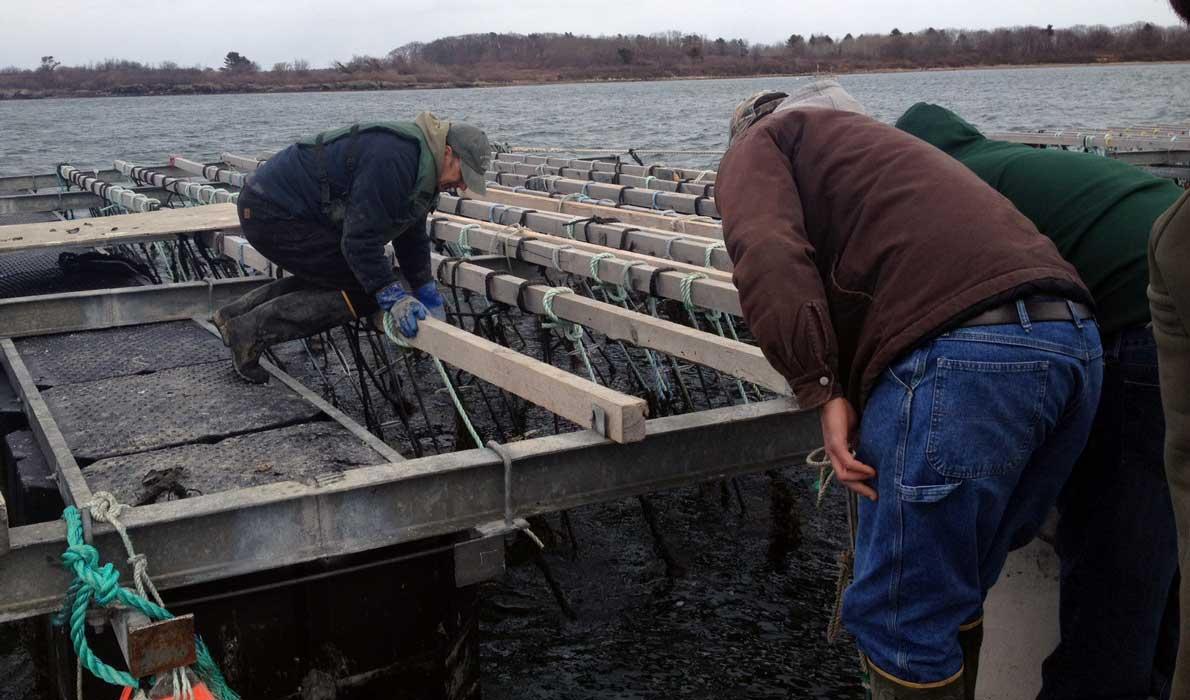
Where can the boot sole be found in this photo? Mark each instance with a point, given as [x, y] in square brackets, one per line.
[248, 379]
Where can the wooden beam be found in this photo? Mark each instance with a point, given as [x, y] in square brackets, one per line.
[113, 230]
[542, 201]
[244, 163]
[558, 391]
[728, 356]
[576, 257]
[61, 201]
[587, 171]
[653, 200]
[655, 261]
[210, 172]
[574, 398]
[616, 166]
[14, 184]
[198, 191]
[1096, 139]
[1153, 157]
[681, 247]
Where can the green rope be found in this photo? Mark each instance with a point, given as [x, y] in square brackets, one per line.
[711, 251]
[102, 584]
[687, 296]
[572, 331]
[615, 293]
[464, 243]
[450, 389]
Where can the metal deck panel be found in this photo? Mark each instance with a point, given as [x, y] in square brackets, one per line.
[306, 452]
[33, 273]
[177, 406]
[71, 358]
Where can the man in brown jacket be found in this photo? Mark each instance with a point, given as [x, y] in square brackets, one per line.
[881, 276]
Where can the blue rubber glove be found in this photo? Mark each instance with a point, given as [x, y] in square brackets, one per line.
[429, 296]
[406, 310]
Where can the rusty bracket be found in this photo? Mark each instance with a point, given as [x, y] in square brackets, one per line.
[152, 648]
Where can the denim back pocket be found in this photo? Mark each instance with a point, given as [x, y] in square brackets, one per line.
[986, 416]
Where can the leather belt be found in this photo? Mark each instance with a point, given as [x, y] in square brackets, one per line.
[1037, 311]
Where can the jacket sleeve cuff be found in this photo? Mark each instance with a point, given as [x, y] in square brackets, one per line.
[812, 392]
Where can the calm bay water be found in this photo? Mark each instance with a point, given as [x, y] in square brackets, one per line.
[686, 114]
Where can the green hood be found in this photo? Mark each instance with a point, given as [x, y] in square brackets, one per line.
[939, 127]
[434, 130]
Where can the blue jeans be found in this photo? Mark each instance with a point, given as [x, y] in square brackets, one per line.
[972, 435]
[1118, 542]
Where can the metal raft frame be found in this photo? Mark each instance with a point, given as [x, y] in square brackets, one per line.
[226, 534]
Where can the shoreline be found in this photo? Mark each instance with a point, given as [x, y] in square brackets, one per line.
[18, 95]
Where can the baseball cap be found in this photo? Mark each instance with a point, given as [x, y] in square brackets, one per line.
[752, 109]
[473, 149]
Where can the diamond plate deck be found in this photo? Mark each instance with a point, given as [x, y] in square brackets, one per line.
[200, 403]
[296, 453]
[71, 358]
[34, 272]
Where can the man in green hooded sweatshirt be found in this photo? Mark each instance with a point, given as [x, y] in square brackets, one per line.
[1116, 536]
[323, 210]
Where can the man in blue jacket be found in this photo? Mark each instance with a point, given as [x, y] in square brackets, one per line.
[323, 210]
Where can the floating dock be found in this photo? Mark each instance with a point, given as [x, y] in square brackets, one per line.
[595, 349]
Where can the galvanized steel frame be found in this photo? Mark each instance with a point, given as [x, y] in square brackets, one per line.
[220, 535]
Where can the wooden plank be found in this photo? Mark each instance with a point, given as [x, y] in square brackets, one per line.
[512, 234]
[244, 163]
[1096, 139]
[683, 247]
[1153, 157]
[210, 172]
[13, 184]
[60, 201]
[708, 293]
[71, 485]
[540, 200]
[586, 170]
[652, 200]
[556, 390]
[125, 228]
[625, 414]
[728, 356]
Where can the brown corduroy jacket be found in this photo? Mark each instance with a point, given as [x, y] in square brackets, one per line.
[853, 242]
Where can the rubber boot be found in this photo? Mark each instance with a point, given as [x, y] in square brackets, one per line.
[885, 687]
[971, 640]
[288, 317]
[253, 299]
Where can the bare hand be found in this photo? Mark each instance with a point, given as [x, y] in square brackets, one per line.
[839, 424]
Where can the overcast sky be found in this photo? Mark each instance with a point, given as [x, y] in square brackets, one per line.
[268, 31]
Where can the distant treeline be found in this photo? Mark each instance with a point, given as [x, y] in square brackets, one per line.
[500, 59]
